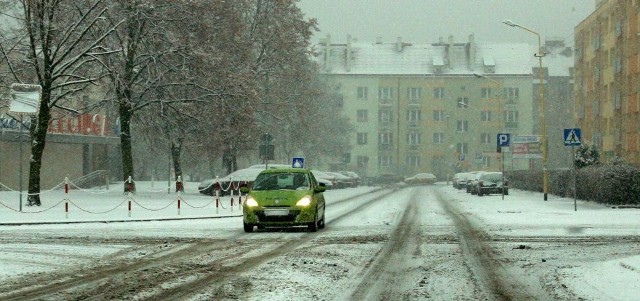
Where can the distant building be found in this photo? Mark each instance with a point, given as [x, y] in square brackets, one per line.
[557, 70]
[433, 107]
[607, 81]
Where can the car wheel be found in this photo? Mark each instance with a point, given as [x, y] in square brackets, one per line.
[313, 226]
[321, 222]
[248, 227]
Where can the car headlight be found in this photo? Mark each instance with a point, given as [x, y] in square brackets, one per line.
[251, 202]
[304, 202]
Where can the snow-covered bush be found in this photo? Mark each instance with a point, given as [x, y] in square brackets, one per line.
[587, 155]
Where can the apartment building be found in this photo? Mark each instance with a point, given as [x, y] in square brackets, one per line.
[607, 82]
[432, 107]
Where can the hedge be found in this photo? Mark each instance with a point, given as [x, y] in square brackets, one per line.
[608, 184]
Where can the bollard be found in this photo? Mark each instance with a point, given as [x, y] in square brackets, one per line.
[217, 201]
[66, 185]
[179, 185]
[66, 209]
[129, 208]
[178, 206]
[231, 192]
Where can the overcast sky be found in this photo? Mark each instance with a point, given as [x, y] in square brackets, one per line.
[425, 21]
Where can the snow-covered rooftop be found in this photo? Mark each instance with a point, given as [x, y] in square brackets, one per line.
[442, 58]
[419, 59]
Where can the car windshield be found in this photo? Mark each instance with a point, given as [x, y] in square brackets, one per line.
[280, 181]
[495, 177]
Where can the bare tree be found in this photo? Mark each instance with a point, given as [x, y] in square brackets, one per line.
[57, 54]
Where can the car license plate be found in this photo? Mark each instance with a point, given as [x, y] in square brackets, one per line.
[276, 212]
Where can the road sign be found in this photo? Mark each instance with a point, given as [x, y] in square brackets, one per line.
[266, 152]
[503, 140]
[266, 138]
[297, 162]
[572, 137]
[25, 99]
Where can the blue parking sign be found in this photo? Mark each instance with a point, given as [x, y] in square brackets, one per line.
[503, 140]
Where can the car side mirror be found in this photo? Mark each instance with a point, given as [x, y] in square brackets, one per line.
[244, 189]
[320, 188]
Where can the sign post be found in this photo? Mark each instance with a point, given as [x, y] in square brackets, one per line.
[503, 140]
[573, 137]
[25, 100]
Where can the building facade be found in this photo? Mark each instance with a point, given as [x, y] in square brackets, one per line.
[607, 82]
[434, 107]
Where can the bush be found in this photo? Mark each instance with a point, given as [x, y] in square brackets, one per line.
[617, 184]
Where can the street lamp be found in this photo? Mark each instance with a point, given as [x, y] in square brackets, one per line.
[539, 55]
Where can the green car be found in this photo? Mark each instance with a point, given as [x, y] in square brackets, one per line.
[282, 198]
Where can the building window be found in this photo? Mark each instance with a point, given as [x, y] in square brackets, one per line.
[438, 115]
[413, 115]
[385, 116]
[438, 138]
[485, 138]
[385, 93]
[511, 119]
[362, 161]
[363, 93]
[511, 116]
[413, 138]
[462, 126]
[362, 138]
[486, 161]
[385, 160]
[511, 93]
[463, 102]
[485, 93]
[385, 138]
[485, 115]
[362, 115]
[438, 93]
[413, 161]
[462, 148]
[414, 94]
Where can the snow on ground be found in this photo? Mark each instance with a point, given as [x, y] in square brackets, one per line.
[520, 213]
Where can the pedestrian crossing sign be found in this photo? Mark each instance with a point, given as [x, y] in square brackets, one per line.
[572, 137]
[298, 162]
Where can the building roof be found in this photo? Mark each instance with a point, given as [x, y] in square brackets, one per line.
[420, 59]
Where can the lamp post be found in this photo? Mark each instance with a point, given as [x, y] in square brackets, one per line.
[539, 55]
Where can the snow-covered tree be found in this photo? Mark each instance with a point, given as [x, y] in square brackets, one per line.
[587, 155]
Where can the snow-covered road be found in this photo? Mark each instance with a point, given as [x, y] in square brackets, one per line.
[396, 243]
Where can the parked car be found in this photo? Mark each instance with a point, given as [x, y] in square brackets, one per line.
[229, 182]
[283, 198]
[491, 182]
[342, 181]
[386, 179]
[325, 177]
[421, 178]
[472, 179]
[459, 180]
[354, 176]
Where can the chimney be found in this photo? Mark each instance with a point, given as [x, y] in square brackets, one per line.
[347, 63]
[399, 45]
[472, 51]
